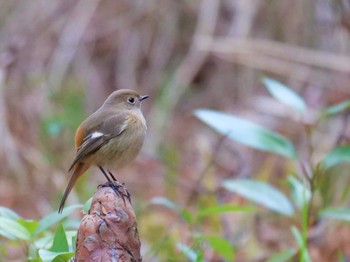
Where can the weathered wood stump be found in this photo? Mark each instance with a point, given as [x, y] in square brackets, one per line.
[109, 231]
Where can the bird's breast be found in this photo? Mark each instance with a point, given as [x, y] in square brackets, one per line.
[122, 149]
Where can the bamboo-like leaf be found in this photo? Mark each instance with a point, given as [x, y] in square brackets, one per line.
[336, 109]
[284, 94]
[261, 193]
[247, 133]
[60, 243]
[301, 194]
[219, 209]
[338, 155]
[53, 218]
[336, 213]
[14, 228]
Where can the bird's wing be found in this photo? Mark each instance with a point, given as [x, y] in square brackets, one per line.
[96, 138]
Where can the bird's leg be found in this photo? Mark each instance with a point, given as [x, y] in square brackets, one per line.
[105, 174]
[115, 185]
[112, 176]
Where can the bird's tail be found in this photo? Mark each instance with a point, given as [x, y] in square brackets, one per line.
[78, 170]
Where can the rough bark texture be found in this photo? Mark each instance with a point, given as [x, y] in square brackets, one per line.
[109, 231]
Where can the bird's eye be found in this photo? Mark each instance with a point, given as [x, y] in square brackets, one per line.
[131, 100]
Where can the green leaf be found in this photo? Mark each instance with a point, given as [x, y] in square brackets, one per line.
[14, 228]
[74, 240]
[162, 201]
[87, 206]
[8, 213]
[186, 215]
[341, 257]
[33, 259]
[221, 246]
[301, 194]
[44, 242]
[338, 155]
[30, 225]
[219, 209]
[48, 256]
[261, 193]
[336, 109]
[53, 218]
[60, 243]
[302, 245]
[336, 213]
[6, 234]
[283, 256]
[284, 94]
[247, 133]
[188, 252]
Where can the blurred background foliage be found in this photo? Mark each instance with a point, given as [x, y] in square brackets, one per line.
[59, 60]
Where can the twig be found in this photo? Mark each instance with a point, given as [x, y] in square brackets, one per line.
[194, 191]
[69, 41]
[184, 74]
[283, 51]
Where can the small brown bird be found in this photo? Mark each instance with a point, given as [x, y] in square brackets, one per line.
[109, 138]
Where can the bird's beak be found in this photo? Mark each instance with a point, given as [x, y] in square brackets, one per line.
[143, 97]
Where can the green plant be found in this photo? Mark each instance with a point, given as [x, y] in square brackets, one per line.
[311, 194]
[43, 240]
[306, 201]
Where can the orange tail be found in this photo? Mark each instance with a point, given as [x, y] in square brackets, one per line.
[79, 169]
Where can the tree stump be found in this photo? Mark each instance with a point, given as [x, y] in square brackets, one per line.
[109, 231]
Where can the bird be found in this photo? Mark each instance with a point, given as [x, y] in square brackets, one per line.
[110, 138]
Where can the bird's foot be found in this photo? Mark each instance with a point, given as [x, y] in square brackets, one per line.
[119, 189]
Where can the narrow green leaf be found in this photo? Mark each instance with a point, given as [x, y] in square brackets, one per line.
[221, 246]
[8, 213]
[60, 243]
[336, 109]
[64, 257]
[53, 218]
[302, 245]
[30, 225]
[188, 252]
[186, 215]
[6, 234]
[14, 228]
[71, 236]
[162, 201]
[247, 133]
[219, 209]
[44, 242]
[336, 213]
[341, 257]
[74, 241]
[336, 156]
[87, 206]
[32, 259]
[301, 194]
[49, 256]
[283, 256]
[261, 193]
[297, 236]
[284, 94]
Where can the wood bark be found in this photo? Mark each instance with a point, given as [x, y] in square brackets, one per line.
[109, 231]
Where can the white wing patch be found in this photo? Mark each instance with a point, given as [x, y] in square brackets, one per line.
[96, 135]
